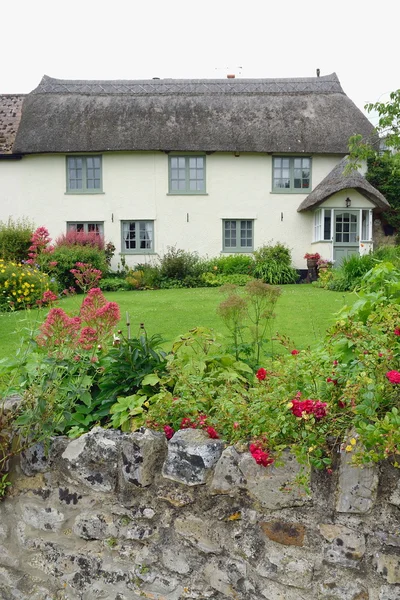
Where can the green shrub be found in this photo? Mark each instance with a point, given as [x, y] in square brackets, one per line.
[114, 284]
[178, 264]
[21, 286]
[349, 275]
[151, 278]
[273, 264]
[234, 264]
[15, 239]
[64, 258]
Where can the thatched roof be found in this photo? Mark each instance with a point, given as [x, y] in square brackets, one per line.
[311, 115]
[10, 115]
[336, 181]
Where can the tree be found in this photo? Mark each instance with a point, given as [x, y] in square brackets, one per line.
[388, 130]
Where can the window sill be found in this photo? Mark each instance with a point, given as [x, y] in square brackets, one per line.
[187, 194]
[83, 193]
[137, 252]
[235, 251]
[290, 191]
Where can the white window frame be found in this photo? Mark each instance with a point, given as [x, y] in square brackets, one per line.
[368, 221]
[319, 225]
[141, 226]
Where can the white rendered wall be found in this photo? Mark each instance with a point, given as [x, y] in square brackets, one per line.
[136, 187]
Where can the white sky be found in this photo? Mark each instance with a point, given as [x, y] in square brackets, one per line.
[131, 39]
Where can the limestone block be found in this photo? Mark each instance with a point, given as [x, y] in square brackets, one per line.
[199, 533]
[389, 592]
[142, 454]
[47, 519]
[272, 486]
[220, 579]
[91, 526]
[191, 455]
[287, 568]
[388, 565]
[277, 591]
[7, 559]
[92, 459]
[389, 539]
[357, 487]
[395, 497]
[347, 547]
[227, 475]
[174, 559]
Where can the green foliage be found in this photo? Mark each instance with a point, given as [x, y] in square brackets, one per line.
[21, 286]
[233, 264]
[385, 177]
[66, 258]
[120, 374]
[178, 264]
[15, 239]
[351, 272]
[249, 312]
[114, 284]
[273, 264]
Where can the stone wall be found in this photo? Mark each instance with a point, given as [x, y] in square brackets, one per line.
[123, 516]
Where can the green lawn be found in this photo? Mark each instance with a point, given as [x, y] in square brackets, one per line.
[303, 312]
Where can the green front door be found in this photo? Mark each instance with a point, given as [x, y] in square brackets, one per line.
[346, 235]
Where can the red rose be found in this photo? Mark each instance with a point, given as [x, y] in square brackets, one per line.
[169, 432]
[294, 352]
[393, 376]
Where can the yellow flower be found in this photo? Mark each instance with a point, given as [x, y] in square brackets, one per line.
[349, 448]
[353, 441]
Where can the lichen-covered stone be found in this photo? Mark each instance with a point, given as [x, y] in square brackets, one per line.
[227, 475]
[389, 539]
[47, 519]
[347, 547]
[220, 579]
[191, 456]
[277, 591]
[274, 487]
[142, 455]
[388, 566]
[174, 559]
[95, 526]
[92, 459]
[357, 487]
[289, 534]
[34, 460]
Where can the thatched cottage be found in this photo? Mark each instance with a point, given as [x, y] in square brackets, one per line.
[213, 166]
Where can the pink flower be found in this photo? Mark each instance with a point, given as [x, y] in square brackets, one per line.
[236, 425]
[396, 331]
[393, 376]
[294, 352]
[169, 431]
[335, 362]
[261, 374]
[88, 338]
[212, 433]
[260, 456]
[330, 380]
[49, 297]
[187, 423]
[202, 420]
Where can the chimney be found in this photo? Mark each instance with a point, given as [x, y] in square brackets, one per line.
[231, 76]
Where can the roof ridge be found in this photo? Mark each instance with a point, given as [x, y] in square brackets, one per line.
[298, 85]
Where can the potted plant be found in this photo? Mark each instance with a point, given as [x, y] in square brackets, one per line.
[312, 259]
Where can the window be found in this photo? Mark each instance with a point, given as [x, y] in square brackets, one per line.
[84, 174]
[86, 227]
[137, 237]
[323, 225]
[366, 225]
[238, 236]
[187, 174]
[291, 174]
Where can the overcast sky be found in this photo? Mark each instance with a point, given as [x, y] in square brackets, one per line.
[121, 39]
